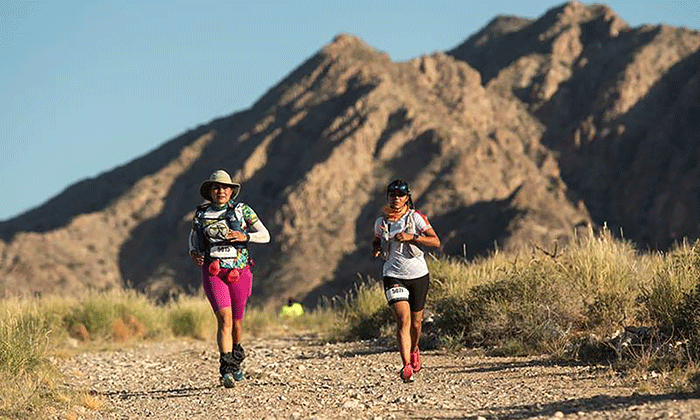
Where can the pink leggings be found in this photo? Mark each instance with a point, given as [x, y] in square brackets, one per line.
[224, 295]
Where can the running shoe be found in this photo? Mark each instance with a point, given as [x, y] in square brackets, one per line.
[238, 375]
[228, 380]
[407, 373]
[415, 361]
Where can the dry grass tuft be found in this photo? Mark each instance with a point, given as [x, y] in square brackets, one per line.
[91, 402]
[125, 330]
[79, 332]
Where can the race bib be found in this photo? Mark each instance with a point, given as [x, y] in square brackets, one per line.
[396, 294]
[223, 251]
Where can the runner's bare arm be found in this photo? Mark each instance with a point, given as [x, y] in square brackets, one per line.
[427, 238]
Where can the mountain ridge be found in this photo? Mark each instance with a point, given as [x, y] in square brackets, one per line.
[511, 139]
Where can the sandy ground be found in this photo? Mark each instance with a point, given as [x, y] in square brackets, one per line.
[300, 377]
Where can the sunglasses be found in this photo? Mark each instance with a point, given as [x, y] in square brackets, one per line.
[398, 191]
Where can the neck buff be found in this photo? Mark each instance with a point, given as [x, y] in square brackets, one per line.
[215, 206]
[394, 214]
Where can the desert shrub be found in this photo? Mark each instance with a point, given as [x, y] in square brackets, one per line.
[24, 367]
[260, 320]
[451, 276]
[190, 317]
[322, 320]
[375, 325]
[674, 276]
[544, 301]
[118, 315]
[687, 320]
[527, 310]
[605, 273]
[363, 312]
[93, 315]
[23, 340]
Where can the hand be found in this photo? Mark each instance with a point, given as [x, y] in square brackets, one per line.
[376, 247]
[237, 236]
[403, 237]
[197, 258]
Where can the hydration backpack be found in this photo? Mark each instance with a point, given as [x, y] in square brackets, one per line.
[231, 219]
[387, 235]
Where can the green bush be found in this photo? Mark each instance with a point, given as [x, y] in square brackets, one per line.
[364, 313]
[454, 277]
[94, 315]
[606, 273]
[190, 322]
[525, 306]
[23, 341]
[687, 320]
[118, 315]
[674, 276]
[24, 348]
[260, 320]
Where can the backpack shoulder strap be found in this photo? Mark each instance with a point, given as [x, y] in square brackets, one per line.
[410, 223]
[199, 213]
[231, 207]
[235, 211]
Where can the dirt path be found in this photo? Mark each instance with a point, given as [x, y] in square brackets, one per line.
[298, 377]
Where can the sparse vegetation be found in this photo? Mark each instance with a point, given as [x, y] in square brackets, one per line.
[191, 318]
[23, 357]
[362, 313]
[542, 301]
[34, 329]
[597, 298]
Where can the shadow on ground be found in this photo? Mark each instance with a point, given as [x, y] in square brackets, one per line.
[598, 403]
[159, 393]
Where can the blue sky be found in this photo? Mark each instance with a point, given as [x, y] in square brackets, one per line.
[89, 85]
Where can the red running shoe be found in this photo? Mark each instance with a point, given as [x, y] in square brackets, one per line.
[415, 361]
[407, 373]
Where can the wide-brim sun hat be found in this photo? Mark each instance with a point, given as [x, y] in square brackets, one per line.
[219, 177]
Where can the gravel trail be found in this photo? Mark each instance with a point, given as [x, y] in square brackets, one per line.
[299, 377]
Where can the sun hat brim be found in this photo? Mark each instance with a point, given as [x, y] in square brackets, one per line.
[205, 189]
[218, 177]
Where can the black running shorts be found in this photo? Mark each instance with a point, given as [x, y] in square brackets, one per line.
[417, 290]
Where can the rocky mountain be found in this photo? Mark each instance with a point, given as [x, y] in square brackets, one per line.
[526, 131]
[621, 107]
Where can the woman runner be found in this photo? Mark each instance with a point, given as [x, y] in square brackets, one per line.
[396, 236]
[221, 231]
